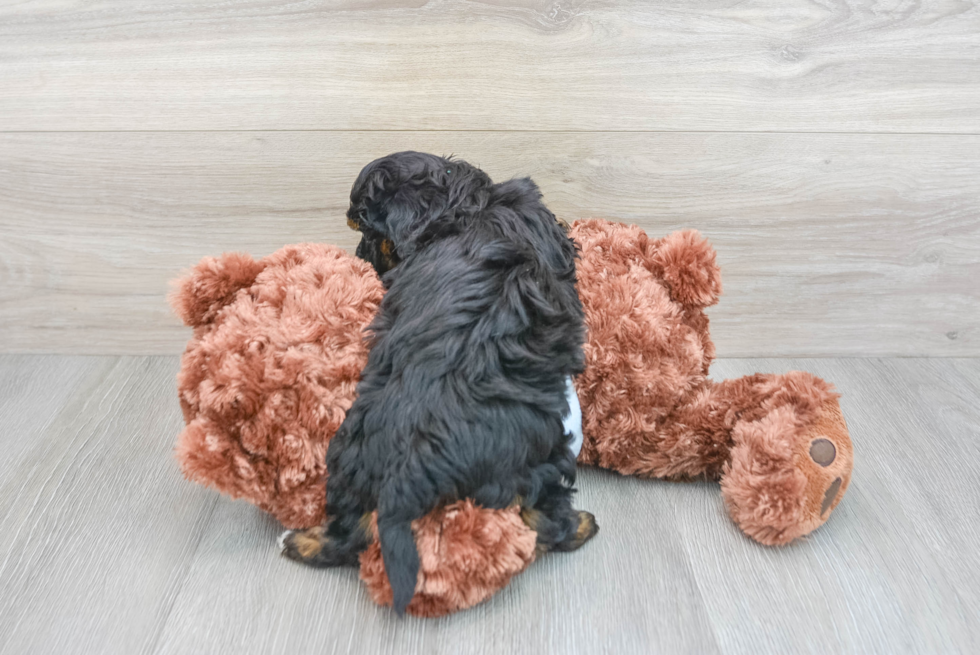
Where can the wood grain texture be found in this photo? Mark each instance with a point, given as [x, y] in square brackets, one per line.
[896, 568]
[104, 548]
[563, 604]
[45, 384]
[829, 244]
[96, 525]
[763, 65]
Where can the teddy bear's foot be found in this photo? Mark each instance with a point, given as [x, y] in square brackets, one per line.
[466, 554]
[788, 471]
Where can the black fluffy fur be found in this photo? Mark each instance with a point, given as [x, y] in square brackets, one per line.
[463, 392]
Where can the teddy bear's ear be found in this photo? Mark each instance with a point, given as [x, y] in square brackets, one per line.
[197, 296]
[689, 268]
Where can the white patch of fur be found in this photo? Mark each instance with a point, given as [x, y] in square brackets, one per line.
[281, 541]
[573, 422]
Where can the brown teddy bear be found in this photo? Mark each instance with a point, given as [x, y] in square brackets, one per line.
[277, 351]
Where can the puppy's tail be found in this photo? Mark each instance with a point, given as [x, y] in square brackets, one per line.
[401, 557]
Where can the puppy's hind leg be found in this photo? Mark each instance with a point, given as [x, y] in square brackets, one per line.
[338, 543]
[559, 526]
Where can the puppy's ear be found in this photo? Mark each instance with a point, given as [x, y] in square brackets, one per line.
[392, 201]
[367, 198]
[407, 212]
[523, 196]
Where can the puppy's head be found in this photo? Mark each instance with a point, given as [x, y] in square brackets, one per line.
[403, 200]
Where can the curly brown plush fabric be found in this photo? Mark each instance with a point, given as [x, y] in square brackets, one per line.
[270, 371]
[466, 554]
[277, 351]
[645, 351]
[649, 409]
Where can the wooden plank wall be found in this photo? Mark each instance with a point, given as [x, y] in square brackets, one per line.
[829, 149]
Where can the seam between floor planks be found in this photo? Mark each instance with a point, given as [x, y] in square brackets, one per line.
[93, 503]
[157, 640]
[829, 246]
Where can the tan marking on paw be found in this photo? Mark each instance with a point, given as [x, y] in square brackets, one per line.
[308, 543]
[587, 528]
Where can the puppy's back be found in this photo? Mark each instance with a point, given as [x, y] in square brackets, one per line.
[464, 389]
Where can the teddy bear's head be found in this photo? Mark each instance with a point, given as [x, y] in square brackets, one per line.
[648, 344]
[271, 370]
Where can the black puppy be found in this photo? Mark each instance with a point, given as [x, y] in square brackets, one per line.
[464, 391]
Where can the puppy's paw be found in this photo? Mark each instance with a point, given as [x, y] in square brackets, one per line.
[304, 546]
[587, 528]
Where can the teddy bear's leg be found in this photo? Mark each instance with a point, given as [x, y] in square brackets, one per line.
[695, 439]
[466, 554]
[778, 443]
[789, 467]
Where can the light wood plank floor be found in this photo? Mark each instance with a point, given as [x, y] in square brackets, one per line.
[104, 548]
[828, 149]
